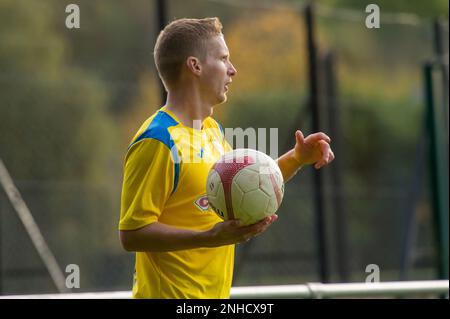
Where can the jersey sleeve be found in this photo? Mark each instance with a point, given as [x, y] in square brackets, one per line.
[148, 182]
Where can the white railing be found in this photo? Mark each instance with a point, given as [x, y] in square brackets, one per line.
[434, 288]
[349, 290]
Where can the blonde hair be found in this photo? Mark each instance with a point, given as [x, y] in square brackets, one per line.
[179, 40]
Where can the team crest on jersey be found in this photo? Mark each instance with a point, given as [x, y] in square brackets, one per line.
[202, 203]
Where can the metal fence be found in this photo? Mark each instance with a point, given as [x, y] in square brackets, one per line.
[72, 99]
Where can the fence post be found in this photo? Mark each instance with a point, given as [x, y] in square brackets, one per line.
[317, 174]
[161, 9]
[334, 125]
[438, 173]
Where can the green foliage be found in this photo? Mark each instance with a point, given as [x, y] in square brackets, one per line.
[54, 124]
[426, 9]
[56, 133]
[430, 8]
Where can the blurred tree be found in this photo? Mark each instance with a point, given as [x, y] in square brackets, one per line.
[56, 137]
[146, 101]
[430, 8]
[54, 124]
[116, 42]
[267, 51]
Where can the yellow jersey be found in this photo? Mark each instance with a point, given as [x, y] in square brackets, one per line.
[165, 173]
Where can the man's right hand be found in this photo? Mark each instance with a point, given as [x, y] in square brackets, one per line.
[231, 232]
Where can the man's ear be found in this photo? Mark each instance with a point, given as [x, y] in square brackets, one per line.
[194, 65]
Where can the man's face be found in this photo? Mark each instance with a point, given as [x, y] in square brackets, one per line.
[217, 71]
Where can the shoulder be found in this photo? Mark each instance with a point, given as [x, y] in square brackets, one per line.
[156, 128]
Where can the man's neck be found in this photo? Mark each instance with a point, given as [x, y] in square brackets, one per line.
[188, 108]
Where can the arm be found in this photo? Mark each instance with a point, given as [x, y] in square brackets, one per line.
[159, 237]
[288, 165]
[315, 148]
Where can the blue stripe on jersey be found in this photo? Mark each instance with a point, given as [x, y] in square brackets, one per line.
[220, 128]
[158, 130]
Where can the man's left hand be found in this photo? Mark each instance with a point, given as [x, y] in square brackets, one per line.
[313, 149]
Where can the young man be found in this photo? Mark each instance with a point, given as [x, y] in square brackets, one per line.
[183, 249]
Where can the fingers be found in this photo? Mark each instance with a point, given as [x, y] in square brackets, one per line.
[324, 149]
[331, 156]
[257, 226]
[327, 154]
[256, 229]
[316, 137]
[263, 223]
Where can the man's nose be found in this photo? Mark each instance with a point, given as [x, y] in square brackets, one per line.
[232, 70]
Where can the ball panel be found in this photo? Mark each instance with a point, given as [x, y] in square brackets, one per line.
[276, 189]
[272, 206]
[265, 185]
[254, 203]
[247, 219]
[237, 195]
[247, 179]
[213, 183]
[227, 172]
[217, 201]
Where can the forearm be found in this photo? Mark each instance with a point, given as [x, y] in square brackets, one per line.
[288, 165]
[160, 237]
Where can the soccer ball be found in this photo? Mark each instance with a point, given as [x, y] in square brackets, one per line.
[245, 184]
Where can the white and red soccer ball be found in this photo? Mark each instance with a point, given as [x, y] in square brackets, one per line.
[245, 184]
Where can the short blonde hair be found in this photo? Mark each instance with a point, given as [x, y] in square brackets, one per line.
[179, 40]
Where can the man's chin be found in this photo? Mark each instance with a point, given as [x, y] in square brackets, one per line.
[223, 98]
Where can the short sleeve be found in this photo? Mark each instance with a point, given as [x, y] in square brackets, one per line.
[148, 182]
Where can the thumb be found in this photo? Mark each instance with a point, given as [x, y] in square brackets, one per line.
[299, 137]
